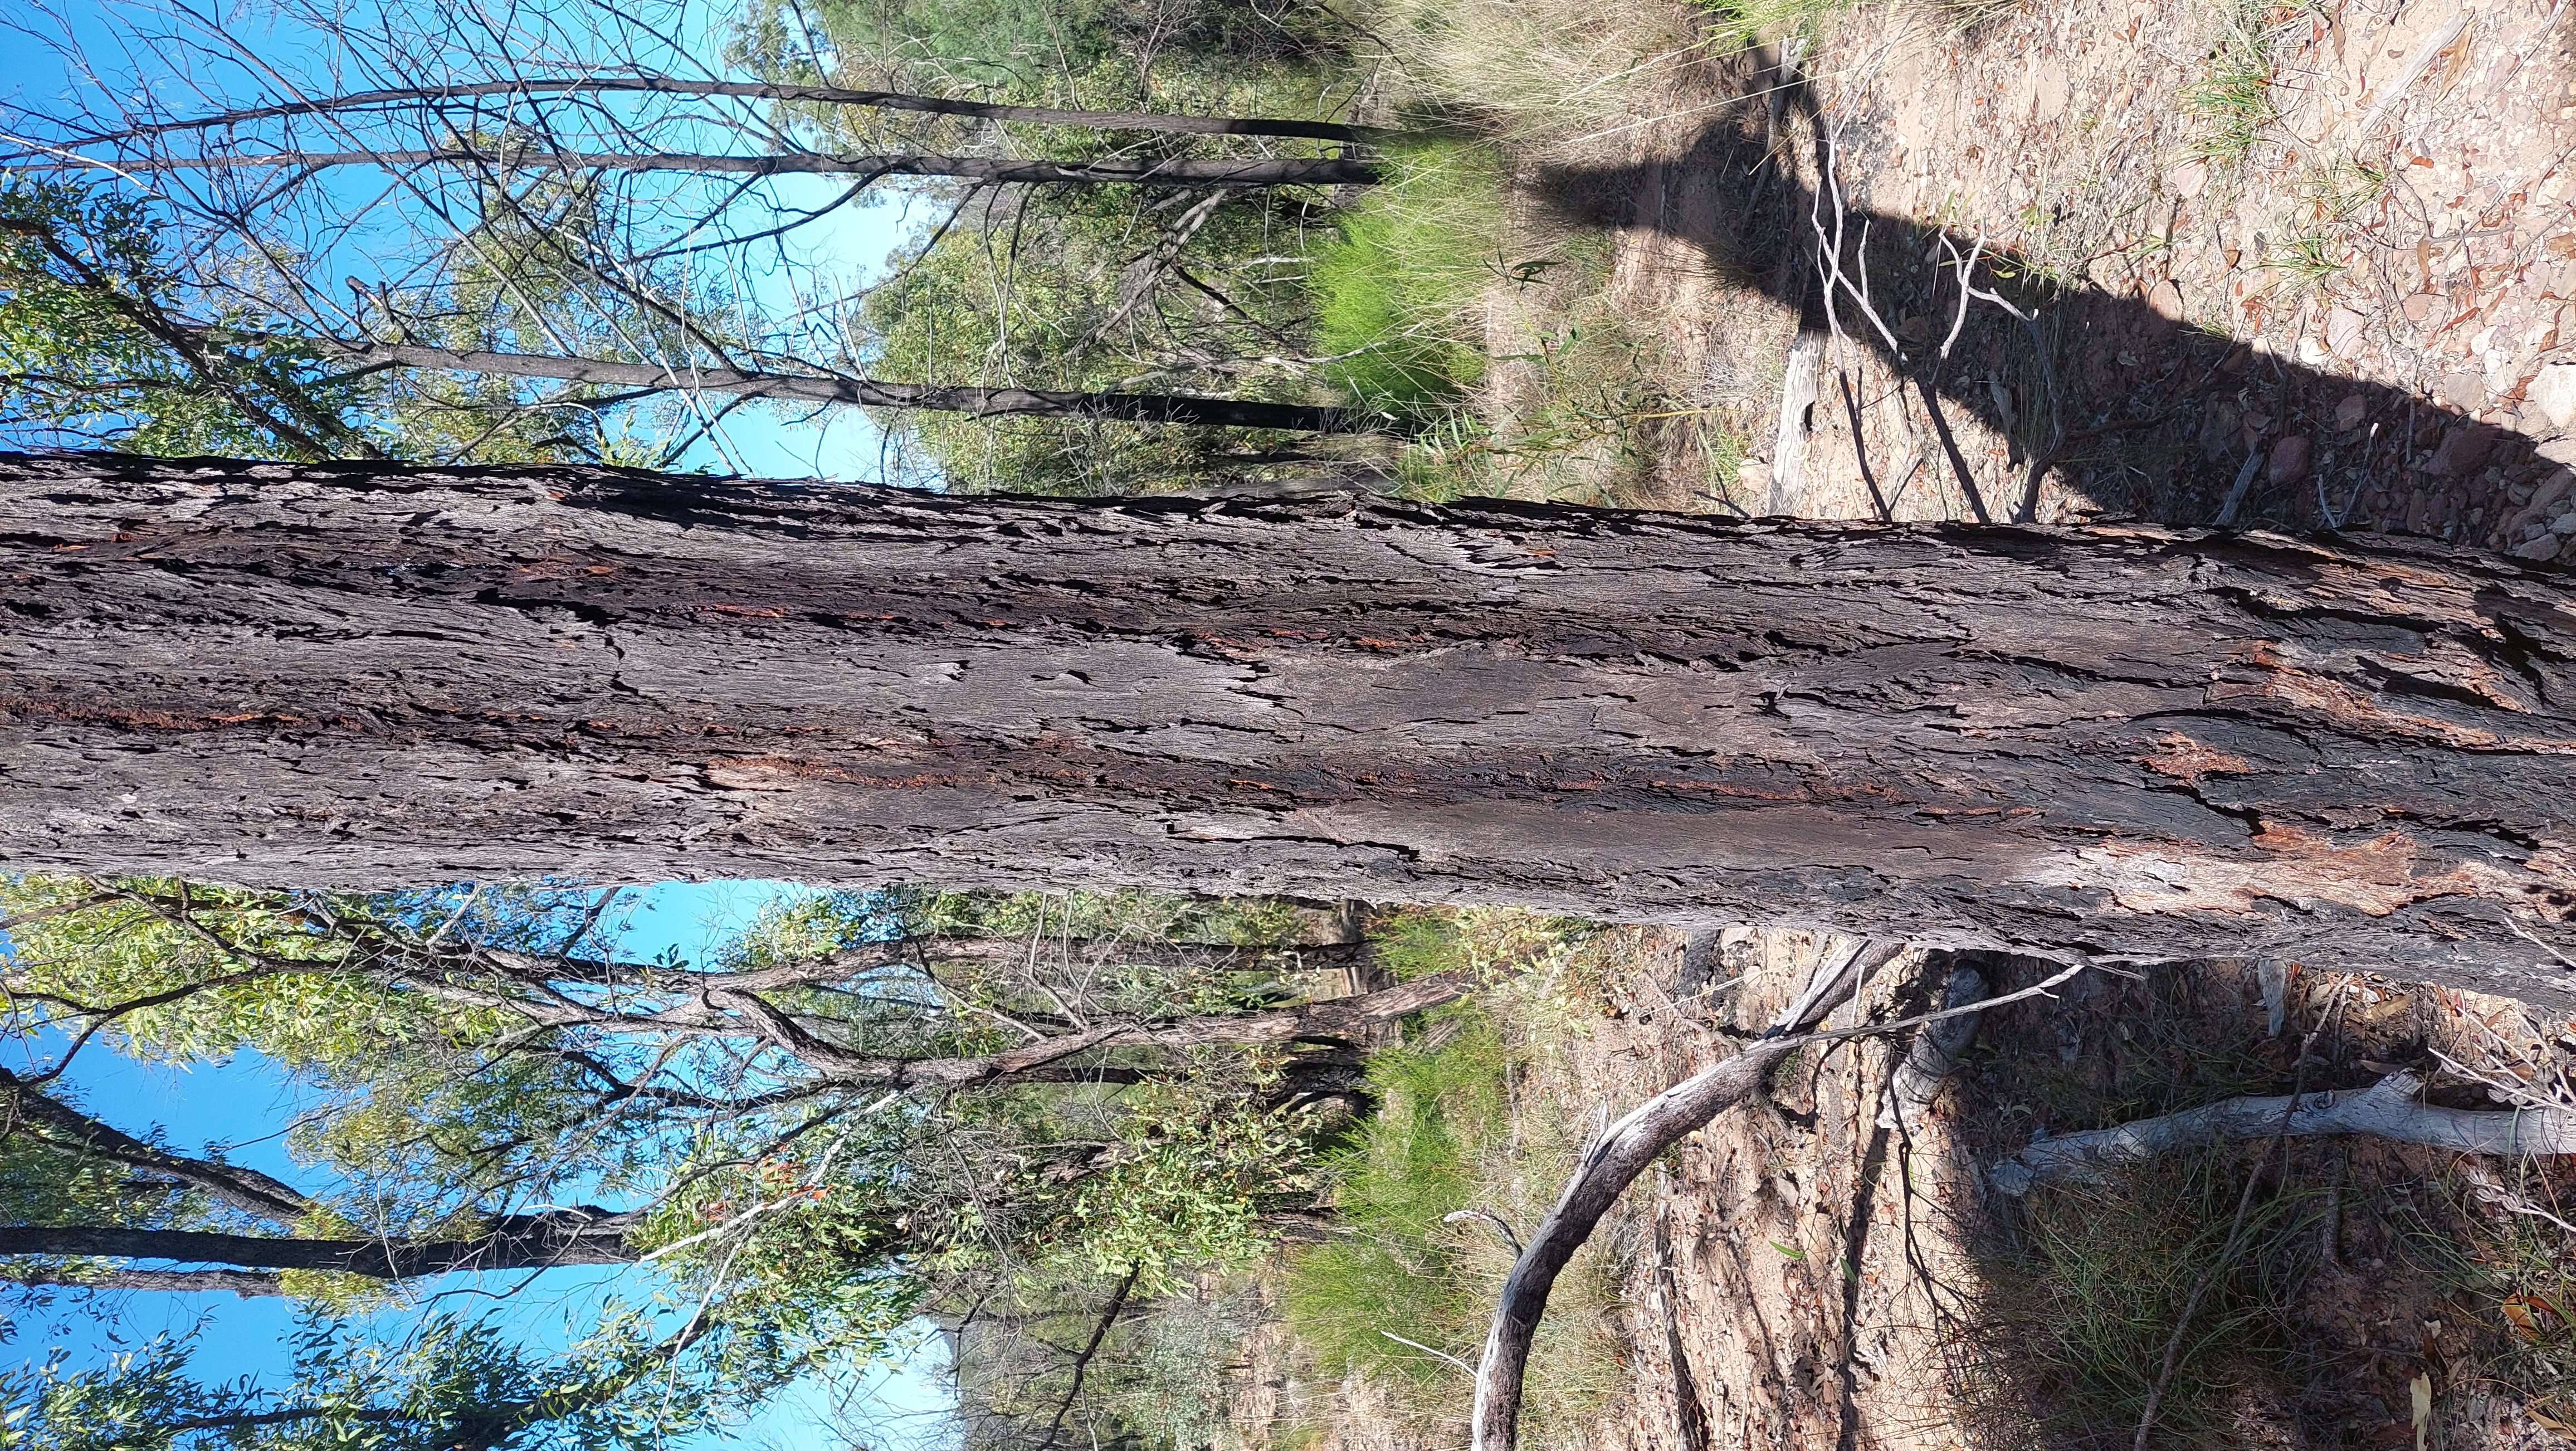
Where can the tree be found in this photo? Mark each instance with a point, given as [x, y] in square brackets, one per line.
[477, 1068]
[2123, 743]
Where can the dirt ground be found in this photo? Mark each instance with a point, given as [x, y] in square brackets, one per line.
[2356, 317]
[1827, 1274]
[2367, 320]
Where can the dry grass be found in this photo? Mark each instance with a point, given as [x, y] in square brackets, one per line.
[1543, 73]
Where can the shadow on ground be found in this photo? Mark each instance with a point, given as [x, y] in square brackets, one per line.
[2140, 415]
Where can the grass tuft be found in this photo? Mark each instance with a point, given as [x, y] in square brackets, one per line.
[2234, 100]
[2079, 1310]
[1397, 290]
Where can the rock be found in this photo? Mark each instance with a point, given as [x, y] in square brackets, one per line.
[2465, 390]
[2552, 489]
[2289, 462]
[2343, 331]
[2542, 549]
[2165, 300]
[2554, 393]
[2350, 412]
[2563, 525]
[2188, 180]
[2559, 450]
[2463, 450]
[2419, 308]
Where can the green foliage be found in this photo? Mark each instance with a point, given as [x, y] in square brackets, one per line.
[84, 281]
[452, 1382]
[1397, 290]
[1183, 1188]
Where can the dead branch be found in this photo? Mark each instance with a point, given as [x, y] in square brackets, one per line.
[2388, 1109]
[1617, 1157]
[1936, 1050]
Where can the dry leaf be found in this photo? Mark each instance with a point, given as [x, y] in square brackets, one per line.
[2420, 1391]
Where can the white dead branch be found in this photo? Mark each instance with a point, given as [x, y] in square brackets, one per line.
[1935, 1054]
[2388, 1109]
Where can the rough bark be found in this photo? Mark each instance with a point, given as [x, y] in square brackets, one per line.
[1195, 171]
[2126, 742]
[872, 393]
[760, 91]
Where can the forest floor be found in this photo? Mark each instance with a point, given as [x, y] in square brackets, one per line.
[2328, 250]
[2288, 267]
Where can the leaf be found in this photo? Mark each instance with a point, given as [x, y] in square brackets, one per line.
[2420, 1391]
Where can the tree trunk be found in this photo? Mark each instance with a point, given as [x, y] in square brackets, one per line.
[1195, 171]
[766, 91]
[868, 392]
[528, 1243]
[2127, 742]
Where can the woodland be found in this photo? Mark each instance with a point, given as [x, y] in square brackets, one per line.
[1461, 723]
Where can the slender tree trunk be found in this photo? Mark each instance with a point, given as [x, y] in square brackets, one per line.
[533, 1242]
[2126, 742]
[766, 91]
[868, 392]
[1197, 171]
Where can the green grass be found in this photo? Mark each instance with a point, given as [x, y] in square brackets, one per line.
[2234, 100]
[2079, 1310]
[1444, 1138]
[1403, 1269]
[1738, 24]
[2305, 263]
[1397, 289]
[2514, 1279]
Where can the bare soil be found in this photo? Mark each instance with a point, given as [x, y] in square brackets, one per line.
[2355, 315]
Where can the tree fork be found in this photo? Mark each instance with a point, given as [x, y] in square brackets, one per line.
[2123, 743]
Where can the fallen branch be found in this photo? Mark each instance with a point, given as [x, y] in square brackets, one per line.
[1616, 1158]
[2387, 1109]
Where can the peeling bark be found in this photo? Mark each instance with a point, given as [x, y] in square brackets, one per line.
[2124, 742]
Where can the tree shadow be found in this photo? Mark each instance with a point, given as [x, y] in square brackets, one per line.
[2110, 394]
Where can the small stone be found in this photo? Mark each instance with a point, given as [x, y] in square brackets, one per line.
[2552, 489]
[2188, 180]
[2542, 549]
[2465, 390]
[2343, 331]
[2419, 308]
[2350, 412]
[2165, 300]
[2559, 450]
[2289, 462]
[2463, 450]
[2554, 393]
[2563, 525]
